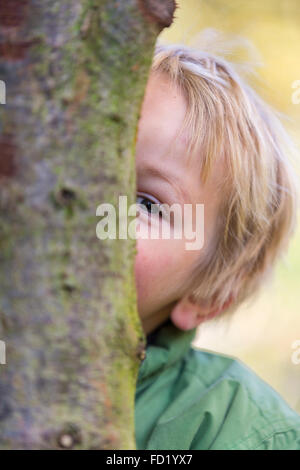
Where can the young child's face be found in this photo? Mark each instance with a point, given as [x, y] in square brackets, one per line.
[163, 265]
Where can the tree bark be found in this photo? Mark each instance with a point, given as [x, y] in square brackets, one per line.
[75, 73]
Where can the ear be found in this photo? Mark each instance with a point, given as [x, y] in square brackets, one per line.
[187, 314]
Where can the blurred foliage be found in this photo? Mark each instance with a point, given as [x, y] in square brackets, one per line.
[261, 334]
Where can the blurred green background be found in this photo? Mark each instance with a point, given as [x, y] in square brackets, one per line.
[262, 333]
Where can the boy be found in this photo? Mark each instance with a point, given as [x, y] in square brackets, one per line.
[206, 138]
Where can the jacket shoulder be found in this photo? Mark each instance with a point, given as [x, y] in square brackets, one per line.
[248, 412]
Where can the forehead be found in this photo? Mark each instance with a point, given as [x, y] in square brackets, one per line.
[162, 116]
[159, 140]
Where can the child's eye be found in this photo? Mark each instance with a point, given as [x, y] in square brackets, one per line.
[148, 205]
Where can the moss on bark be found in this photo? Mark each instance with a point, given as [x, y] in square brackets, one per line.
[67, 300]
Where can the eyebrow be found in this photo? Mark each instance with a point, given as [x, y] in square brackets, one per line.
[172, 180]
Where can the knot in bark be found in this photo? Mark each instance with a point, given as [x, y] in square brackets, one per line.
[160, 12]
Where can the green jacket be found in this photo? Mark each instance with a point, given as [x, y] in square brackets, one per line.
[193, 399]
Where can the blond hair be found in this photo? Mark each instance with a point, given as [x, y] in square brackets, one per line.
[229, 122]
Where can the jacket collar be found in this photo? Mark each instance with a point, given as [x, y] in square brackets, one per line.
[166, 345]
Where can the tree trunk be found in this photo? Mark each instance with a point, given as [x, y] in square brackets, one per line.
[75, 73]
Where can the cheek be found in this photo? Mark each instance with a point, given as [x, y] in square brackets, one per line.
[160, 268]
[151, 265]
